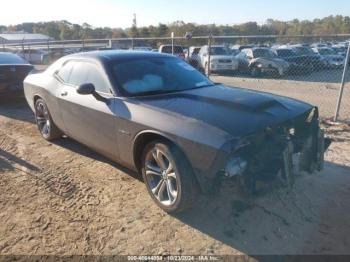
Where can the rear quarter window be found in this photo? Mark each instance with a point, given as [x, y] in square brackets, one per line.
[79, 74]
[65, 71]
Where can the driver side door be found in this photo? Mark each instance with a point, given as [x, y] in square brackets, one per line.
[89, 119]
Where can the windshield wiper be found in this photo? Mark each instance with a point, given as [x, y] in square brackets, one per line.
[158, 92]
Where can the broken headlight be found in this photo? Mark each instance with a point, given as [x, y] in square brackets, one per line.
[235, 166]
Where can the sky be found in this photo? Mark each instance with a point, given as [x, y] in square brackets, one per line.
[119, 13]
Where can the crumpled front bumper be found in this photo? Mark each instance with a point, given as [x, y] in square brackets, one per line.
[294, 146]
[288, 149]
[310, 159]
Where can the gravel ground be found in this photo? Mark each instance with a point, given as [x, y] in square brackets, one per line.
[61, 198]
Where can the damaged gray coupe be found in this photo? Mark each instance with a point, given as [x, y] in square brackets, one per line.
[157, 115]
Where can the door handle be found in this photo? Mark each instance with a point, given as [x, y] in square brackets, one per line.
[64, 93]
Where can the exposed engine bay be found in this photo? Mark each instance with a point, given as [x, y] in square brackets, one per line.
[295, 146]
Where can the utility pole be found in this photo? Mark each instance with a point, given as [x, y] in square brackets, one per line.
[172, 43]
[134, 21]
[210, 38]
[133, 31]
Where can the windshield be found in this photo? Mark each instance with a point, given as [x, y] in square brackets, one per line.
[219, 50]
[234, 52]
[169, 49]
[285, 52]
[326, 51]
[196, 50]
[266, 53]
[156, 75]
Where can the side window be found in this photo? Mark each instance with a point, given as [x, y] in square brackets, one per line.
[79, 74]
[65, 71]
[95, 77]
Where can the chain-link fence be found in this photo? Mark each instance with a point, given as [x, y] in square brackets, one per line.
[310, 68]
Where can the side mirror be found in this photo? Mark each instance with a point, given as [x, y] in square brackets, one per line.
[86, 89]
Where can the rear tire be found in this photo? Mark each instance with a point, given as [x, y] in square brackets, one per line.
[255, 71]
[168, 176]
[44, 121]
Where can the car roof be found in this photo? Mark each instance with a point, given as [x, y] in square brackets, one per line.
[169, 45]
[11, 59]
[111, 55]
[283, 48]
[256, 48]
[298, 46]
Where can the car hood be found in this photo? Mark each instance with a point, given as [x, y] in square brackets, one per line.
[236, 111]
[333, 57]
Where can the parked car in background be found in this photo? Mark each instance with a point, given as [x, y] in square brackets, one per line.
[234, 51]
[241, 47]
[261, 60]
[333, 59]
[340, 50]
[297, 64]
[13, 70]
[192, 56]
[183, 133]
[221, 59]
[168, 49]
[34, 56]
[310, 57]
[319, 45]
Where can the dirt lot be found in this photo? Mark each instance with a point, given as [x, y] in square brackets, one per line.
[61, 198]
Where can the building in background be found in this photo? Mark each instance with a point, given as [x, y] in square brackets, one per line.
[22, 37]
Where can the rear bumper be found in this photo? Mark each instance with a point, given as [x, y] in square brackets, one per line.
[223, 67]
[274, 70]
[336, 65]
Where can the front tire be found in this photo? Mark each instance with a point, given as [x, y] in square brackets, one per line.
[168, 176]
[44, 121]
[255, 71]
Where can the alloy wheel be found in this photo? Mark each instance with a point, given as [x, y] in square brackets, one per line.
[161, 176]
[42, 118]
